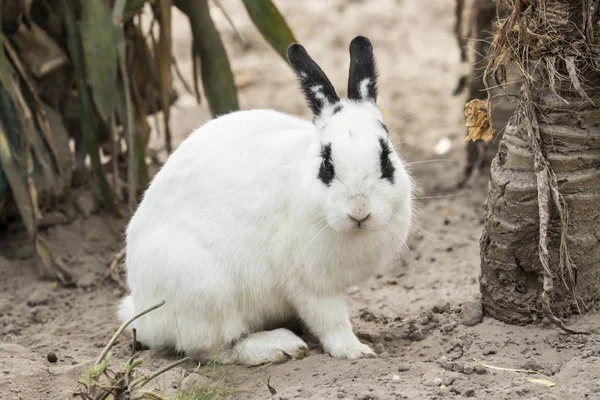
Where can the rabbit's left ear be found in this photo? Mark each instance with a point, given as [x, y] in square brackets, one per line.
[317, 88]
[362, 80]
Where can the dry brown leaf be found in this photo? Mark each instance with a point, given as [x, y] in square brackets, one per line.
[478, 122]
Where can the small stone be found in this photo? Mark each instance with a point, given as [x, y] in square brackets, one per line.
[449, 327]
[379, 349]
[436, 382]
[448, 380]
[415, 334]
[480, 370]
[470, 392]
[367, 315]
[52, 358]
[369, 336]
[86, 204]
[87, 280]
[194, 380]
[40, 314]
[404, 367]
[441, 308]
[532, 365]
[5, 307]
[471, 313]
[9, 329]
[425, 319]
[353, 290]
[395, 378]
[41, 295]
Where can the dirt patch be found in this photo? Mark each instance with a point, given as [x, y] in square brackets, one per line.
[412, 315]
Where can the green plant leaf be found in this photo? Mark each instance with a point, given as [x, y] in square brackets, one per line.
[163, 56]
[134, 5]
[217, 78]
[86, 110]
[271, 25]
[100, 53]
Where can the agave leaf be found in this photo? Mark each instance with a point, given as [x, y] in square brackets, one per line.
[133, 5]
[13, 173]
[27, 134]
[24, 203]
[85, 105]
[47, 162]
[136, 161]
[124, 98]
[100, 54]
[163, 55]
[217, 78]
[271, 24]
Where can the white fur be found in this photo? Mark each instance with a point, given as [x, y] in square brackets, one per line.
[363, 88]
[238, 234]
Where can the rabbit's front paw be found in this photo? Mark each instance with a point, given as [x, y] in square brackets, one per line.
[350, 351]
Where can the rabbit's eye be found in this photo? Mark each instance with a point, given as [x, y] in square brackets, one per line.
[387, 168]
[326, 170]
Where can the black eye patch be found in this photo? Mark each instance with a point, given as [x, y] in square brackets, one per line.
[326, 170]
[387, 168]
[384, 127]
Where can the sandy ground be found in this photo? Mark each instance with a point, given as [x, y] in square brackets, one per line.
[411, 315]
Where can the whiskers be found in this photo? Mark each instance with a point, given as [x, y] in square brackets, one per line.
[449, 160]
[417, 228]
[324, 229]
[445, 196]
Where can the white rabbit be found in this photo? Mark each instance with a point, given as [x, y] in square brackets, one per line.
[260, 217]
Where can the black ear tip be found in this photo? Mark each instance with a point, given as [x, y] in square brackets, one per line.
[295, 50]
[361, 43]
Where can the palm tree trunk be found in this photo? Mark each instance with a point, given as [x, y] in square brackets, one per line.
[540, 250]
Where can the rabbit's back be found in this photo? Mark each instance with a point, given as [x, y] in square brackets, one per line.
[230, 166]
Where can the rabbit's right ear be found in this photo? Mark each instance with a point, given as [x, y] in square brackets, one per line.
[317, 88]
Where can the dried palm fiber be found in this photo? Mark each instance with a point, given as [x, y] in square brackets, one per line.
[540, 249]
[474, 30]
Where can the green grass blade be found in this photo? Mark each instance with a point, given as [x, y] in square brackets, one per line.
[271, 25]
[217, 78]
[100, 54]
[86, 111]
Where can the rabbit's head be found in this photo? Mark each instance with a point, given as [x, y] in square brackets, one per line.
[355, 179]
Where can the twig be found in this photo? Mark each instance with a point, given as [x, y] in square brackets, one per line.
[145, 379]
[133, 342]
[122, 328]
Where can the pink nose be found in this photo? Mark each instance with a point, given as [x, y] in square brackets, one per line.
[360, 210]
